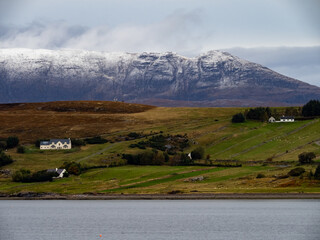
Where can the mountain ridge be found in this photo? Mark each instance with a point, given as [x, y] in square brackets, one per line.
[214, 78]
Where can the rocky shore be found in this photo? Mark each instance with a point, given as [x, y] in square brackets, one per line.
[91, 196]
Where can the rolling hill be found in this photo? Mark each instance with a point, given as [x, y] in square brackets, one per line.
[269, 149]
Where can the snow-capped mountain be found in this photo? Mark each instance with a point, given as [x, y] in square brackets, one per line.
[212, 79]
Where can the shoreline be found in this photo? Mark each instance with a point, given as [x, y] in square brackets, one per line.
[204, 196]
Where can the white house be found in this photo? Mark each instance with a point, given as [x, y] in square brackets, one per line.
[60, 172]
[287, 119]
[272, 120]
[56, 144]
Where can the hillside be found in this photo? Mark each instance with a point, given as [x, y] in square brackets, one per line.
[32, 121]
[270, 149]
[164, 79]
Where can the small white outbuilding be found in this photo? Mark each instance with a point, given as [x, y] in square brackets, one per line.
[272, 120]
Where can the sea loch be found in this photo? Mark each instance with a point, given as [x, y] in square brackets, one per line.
[160, 219]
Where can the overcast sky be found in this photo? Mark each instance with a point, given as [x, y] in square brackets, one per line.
[281, 34]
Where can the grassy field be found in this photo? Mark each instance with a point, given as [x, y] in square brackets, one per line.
[251, 143]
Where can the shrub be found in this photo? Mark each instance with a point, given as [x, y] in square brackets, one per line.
[134, 135]
[260, 175]
[306, 157]
[43, 176]
[238, 118]
[296, 172]
[5, 159]
[12, 142]
[197, 153]
[21, 149]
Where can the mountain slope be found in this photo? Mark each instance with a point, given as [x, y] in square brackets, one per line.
[212, 79]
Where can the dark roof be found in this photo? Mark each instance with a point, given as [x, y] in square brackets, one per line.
[55, 141]
[287, 117]
[59, 171]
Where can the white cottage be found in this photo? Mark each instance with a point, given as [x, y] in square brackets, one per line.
[287, 119]
[56, 144]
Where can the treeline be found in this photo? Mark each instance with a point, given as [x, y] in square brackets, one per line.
[311, 109]
[24, 175]
[154, 157]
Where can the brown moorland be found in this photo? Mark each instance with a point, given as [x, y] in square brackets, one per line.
[31, 121]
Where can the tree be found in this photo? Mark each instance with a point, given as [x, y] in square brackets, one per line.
[12, 141]
[77, 142]
[72, 167]
[166, 157]
[306, 157]
[317, 173]
[238, 118]
[197, 153]
[3, 145]
[311, 109]
[5, 159]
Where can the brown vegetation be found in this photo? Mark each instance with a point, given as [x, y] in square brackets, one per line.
[31, 121]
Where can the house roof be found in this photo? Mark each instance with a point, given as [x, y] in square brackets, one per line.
[59, 171]
[55, 141]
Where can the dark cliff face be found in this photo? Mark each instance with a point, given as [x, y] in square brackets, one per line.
[212, 79]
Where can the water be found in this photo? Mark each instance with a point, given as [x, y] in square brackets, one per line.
[163, 219]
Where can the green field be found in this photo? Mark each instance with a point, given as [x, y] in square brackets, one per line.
[268, 148]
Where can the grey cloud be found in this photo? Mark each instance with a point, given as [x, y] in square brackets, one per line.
[38, 34]
[174, 33]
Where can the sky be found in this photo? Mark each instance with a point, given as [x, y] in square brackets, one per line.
[283, 35]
